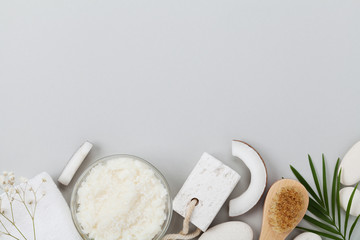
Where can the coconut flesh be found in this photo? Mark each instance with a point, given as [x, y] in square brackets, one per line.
[252, 195]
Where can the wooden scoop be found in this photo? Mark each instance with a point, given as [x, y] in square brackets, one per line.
[285, 205]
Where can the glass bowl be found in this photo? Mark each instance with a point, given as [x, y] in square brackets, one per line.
[74, 197]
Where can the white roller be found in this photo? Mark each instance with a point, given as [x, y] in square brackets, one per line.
[73, 165]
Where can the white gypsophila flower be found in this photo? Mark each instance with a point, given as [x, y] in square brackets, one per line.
[12, 178]
[23, 180]
[2, 179]
[12, 190]
[24, 193]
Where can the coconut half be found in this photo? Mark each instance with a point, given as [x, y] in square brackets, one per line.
[256, 165]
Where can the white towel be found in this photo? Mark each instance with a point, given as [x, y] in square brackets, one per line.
[52, 217]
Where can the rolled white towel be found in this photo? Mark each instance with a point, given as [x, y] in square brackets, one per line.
[53, 219]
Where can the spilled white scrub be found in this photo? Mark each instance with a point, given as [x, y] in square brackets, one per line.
[122, 199]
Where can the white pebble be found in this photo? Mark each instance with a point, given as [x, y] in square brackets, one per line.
[229, 231]
[345, 194]
[308, 236]
[350, 166]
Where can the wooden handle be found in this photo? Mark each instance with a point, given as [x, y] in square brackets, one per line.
[268, 234]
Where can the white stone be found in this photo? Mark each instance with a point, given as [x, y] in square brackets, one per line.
[350, 166]
[345, 194]
[229, 231]
[308, 236]
[211, 182]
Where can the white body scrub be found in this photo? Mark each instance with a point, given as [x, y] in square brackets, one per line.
[122, 199]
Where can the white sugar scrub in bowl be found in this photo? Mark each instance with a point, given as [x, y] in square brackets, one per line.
[121, 197]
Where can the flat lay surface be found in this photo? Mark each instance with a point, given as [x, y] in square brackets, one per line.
[170, 80]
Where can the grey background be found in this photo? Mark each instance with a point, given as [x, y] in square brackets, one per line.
[168, 80]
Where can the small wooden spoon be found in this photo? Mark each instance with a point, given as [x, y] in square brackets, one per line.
[287, 198]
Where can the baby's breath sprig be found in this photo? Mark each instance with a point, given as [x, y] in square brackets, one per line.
[23, 193]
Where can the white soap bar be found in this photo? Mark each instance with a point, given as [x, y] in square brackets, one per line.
[211, 182]
[74, 163]
[229, 231]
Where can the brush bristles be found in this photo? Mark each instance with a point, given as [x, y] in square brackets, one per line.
[285, 209]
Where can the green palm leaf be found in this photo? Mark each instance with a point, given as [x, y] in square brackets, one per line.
[347, 214]
[321, 225]
[320, 233]
[325, 191]
[338, 207]
[326, 215]
[333, 192]
[353, 226]
[319, 212]
[306, 185]
[316, 179]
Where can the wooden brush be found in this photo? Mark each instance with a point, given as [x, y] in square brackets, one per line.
[285, 205]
